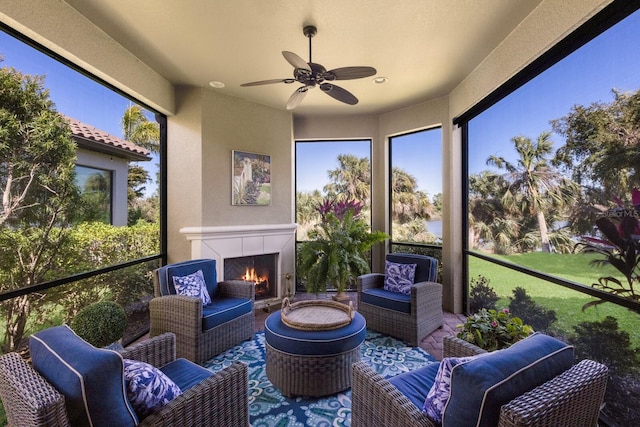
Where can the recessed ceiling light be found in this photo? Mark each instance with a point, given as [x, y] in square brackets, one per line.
[216, 84]
[380, 80]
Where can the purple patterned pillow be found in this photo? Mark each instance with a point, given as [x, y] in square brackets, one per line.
[399, 277]
[148, 388]
[192, 285]
[441, 390]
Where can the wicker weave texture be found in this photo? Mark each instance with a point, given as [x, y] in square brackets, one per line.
[426, 311]
[219, 401]
[182, 316]
[300, 375]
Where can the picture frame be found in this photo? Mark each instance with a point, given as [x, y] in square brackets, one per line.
[250, 179]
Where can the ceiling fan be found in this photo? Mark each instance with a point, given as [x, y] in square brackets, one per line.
[311, 74]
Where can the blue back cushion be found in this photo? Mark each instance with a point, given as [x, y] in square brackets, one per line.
[184, 268]
[426, 266]
[480, 387]
[91, 379]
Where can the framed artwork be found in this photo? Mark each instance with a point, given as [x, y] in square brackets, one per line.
[251, 180]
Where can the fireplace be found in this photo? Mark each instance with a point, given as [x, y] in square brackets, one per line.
[259, 269]
[223, 243]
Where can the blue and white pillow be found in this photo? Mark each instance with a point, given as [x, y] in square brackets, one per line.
[192, 285]
[441, 389]
[148, 388]
[399, 277]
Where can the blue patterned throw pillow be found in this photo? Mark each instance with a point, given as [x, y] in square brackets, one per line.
[192, 285]
[441, 390]
[148, 388]
[399, 277]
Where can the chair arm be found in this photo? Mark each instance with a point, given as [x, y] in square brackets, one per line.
[425, 292]
[179, 314]
[157, 351]
[29, 400]
[221, 400]
[573, 398]
[370, 281]
[376, 402]
[456, 347]
[237, 289]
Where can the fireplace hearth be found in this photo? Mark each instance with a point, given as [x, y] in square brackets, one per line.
[259, 269]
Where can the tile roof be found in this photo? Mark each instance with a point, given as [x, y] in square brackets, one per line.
[100, 140]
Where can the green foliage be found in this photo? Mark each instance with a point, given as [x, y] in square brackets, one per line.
[481, 295]
[602, 341]
[493, 329]
[532, 313]
[100, 323]
[336, 253]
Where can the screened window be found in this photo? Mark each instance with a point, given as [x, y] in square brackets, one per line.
[416, 187]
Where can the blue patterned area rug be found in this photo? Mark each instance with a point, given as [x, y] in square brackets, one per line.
[268, 408]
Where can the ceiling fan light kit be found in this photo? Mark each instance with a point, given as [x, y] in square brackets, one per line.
[311, 74]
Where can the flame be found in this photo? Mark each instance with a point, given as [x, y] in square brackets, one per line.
[251, 276]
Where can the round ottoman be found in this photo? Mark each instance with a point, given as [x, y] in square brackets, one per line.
[312, 363]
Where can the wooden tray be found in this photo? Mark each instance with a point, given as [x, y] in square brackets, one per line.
[314, 315]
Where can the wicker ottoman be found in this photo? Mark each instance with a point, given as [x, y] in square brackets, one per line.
[312, 363]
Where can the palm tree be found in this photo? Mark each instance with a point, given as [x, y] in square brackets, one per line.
[408, 202]
[352, 179]
[534, 185]
[140, 130]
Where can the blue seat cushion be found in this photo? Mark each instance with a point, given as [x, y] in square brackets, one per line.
[387, 299]
[481, 386]
[314, 343]
[222, 310]
[416, 384]
[181, 269]
[185, 373]
[91, 379]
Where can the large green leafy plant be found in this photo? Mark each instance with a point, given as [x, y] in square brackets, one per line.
[493, 329]
[619, 248]
[336, 251]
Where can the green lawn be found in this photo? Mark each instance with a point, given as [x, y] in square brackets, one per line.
[566, 302]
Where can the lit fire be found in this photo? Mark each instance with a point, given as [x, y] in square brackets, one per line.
[261, 282]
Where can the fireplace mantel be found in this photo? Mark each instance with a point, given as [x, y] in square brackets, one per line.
[232, 241]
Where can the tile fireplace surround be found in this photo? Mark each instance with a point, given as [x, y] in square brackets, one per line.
[222, 242]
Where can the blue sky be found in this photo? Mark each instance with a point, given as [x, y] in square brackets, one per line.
[588, 75]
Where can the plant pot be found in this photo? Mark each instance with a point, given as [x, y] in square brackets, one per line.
[341, 296]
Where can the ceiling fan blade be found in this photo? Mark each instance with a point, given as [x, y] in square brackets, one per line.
[350, 73]
[297, 97]
[267, 82]
[339, 93]
[295, 60]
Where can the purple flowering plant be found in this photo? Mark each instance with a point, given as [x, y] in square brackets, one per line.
[493, 329]
[619, 247]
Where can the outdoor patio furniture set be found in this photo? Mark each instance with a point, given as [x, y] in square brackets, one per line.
[70, 382]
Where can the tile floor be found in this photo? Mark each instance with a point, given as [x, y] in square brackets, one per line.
[432, 344]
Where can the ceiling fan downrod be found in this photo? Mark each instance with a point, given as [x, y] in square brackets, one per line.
[309, 31]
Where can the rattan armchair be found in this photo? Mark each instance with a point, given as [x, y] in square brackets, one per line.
[220, 400]
[197, 339]
[571, 399]
[410, 319]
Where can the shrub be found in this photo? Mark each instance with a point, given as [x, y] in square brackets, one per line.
[100, 323]
[493, 329]
[532, 313]
[482, 295]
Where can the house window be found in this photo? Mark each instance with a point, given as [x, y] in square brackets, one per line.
[416, 187]
[95, 188]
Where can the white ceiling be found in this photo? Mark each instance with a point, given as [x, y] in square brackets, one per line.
[424, 47]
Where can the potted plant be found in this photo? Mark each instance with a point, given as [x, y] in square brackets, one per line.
[493, 329]
[336, 251]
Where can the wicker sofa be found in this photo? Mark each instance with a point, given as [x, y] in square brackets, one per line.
[407, 317]
[201, 331]
[572, 397]
[219, 399]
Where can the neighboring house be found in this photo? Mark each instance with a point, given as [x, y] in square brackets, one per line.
[102, 168]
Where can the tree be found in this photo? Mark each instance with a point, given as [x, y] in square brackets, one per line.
[602, 147]
[408, 202]
[534, 185]
[352, 179]
[37, 171]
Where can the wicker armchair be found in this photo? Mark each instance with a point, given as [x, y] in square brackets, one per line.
[409, 318]
[572, 398]
[199, 336]
[220, 400]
